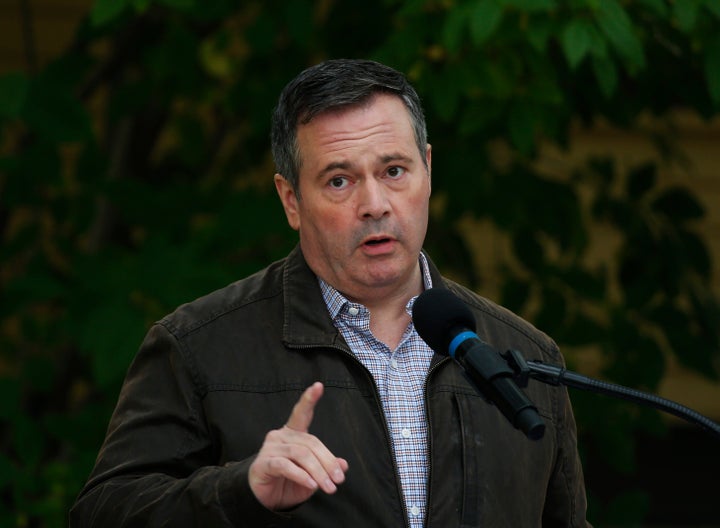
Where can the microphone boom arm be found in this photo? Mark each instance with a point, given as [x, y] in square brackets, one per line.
[555, 375]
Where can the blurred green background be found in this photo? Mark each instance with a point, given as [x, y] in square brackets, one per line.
[135, 175]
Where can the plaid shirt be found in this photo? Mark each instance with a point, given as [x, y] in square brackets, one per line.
[400, 378]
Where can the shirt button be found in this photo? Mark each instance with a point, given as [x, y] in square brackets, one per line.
[406, 433]
[394, 363]
[414, 511]
[353, 311]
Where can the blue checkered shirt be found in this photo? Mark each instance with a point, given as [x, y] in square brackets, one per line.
[400, 378]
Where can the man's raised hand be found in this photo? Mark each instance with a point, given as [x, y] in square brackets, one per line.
[292, 464]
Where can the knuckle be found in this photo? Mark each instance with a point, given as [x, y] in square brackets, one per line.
[298, 451]
[275, 464]
[272, 436]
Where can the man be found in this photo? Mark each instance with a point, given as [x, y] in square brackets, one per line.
[302, 395]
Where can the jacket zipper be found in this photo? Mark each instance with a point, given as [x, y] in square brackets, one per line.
[432, 369]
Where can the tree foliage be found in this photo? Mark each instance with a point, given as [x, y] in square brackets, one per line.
[136, 175]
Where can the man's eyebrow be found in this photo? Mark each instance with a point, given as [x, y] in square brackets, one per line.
[342, 165]
[396, 157]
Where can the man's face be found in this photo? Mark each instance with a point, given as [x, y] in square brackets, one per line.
[364, 193]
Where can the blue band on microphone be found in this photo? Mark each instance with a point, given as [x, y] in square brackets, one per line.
[462, 336]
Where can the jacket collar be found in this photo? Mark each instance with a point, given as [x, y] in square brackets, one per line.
[307, 322]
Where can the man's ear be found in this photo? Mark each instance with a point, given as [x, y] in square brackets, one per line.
[289, 200]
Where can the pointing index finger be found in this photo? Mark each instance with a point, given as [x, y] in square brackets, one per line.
[304, 410]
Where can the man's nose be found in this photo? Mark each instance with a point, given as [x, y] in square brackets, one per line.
[373, 202]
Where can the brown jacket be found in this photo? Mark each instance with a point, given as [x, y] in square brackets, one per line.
[211, 379]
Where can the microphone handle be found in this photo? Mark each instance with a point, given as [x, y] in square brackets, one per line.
[493, 378]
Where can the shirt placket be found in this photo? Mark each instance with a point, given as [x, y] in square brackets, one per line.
[402, 387]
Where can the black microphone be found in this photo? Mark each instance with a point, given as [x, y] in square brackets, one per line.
[447, 325]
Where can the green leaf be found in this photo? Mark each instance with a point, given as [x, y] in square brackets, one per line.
[678, 204]
[479, 116]
[485, 17]
[409, 7]
[598, 43]
[141, 6]
[688, 347]
[446, 103]
[685, 14]
[695, 253]
[105, 11]
[13, 94]
[531, 5]
[658, 6]
[712, 70]
[446, 97]
[639, 274]
[617, 27]
[454, 28]
[606, 74]
[576, 40]
[521, 126]
[713, 6]
[539, 34]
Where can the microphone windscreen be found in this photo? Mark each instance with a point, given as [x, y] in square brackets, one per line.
[436, 314]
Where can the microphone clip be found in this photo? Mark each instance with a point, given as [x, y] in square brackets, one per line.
[516, 361]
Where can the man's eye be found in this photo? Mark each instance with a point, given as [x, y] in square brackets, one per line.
[338, 182]
[395, 172]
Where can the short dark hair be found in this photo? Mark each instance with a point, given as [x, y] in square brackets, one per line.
[333, 85]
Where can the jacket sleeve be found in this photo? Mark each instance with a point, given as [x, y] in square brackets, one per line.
[566, 501]
[158, 465]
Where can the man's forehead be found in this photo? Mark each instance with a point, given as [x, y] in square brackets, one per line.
[310, 114]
